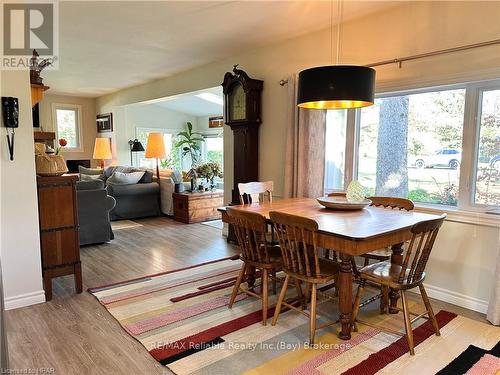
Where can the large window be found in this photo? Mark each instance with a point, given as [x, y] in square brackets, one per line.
[66, 119]
[411, 146]
[437, 146]
[173, 159]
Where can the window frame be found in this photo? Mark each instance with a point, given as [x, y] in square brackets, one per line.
[470, 142]
[79, 131]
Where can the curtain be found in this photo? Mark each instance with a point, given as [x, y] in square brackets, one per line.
[494, 305]
[305, 148]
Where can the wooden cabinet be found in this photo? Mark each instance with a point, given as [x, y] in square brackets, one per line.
[59, 239]
[197, 207]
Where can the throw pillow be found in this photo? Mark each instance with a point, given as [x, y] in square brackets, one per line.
[90, 177]
[120, 178]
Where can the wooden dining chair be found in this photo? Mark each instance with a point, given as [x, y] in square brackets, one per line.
[409, 275]
[298, 238]
[250, 229]
[256, 192]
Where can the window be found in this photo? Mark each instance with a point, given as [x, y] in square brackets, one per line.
[173, 153]
[66, 119]
[487, 189]
[336, 125]
[411, 146]
[213, 150]
[437, 146]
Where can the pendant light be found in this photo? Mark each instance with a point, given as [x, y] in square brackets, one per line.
[336, 86]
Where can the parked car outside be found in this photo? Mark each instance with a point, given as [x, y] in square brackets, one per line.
[495, 162]
[449, 158]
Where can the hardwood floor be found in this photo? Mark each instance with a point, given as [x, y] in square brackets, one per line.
[74, 334]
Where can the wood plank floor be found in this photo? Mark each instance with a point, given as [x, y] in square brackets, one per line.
[74, 334]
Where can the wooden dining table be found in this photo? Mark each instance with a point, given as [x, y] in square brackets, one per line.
[350, 233]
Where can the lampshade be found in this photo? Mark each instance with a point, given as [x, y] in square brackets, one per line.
[136, 146]
[336, 87]
[102, 149]
[155, 148]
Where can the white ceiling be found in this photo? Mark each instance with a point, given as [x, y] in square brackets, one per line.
[109, 45]
[191, 104]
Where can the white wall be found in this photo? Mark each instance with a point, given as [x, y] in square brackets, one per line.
[19, 237]
[87, 122]
[466, 251]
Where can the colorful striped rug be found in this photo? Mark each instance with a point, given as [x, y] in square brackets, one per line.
[181, 318]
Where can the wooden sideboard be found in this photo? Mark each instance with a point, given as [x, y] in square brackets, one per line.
[197, 207]
[59, 237]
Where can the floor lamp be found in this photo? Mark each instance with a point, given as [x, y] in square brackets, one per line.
[135, 146]
[102, 150]
[155, 148]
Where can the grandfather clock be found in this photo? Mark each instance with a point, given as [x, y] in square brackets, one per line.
[242, 112]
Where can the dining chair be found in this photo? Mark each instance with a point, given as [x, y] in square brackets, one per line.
[256, 192]
[298, 238]
[409, 275]
[250, 229]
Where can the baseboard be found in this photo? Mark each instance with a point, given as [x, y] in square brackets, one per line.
[455, 298]
[24, 300]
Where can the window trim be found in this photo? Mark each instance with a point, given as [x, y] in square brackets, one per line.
[78, 109]
[466, 205]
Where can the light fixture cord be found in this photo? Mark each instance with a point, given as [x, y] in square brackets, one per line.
[340, 9]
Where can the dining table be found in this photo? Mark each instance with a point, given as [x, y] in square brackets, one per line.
[350, 233]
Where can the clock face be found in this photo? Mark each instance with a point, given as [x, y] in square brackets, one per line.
[237, 104]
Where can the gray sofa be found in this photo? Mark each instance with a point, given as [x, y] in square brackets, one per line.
[136, 200]
[94, 205]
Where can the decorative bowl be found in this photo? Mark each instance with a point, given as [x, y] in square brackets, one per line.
[341, 203]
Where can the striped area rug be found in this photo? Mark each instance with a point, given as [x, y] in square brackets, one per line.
[181, 318]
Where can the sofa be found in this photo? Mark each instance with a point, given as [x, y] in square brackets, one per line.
[133, 201]
[94, 205]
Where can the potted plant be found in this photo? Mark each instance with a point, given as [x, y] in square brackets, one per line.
[189, 142]
[209, 171]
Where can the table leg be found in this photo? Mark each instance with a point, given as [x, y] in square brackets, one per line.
[345, 296]
[396, 258]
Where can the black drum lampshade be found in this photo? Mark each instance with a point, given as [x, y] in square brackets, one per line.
[336, 87]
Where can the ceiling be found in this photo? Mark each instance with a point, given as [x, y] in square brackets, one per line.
[193, 103]
[109, 45]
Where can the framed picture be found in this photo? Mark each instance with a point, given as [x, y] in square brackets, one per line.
[104, 123]
[216, 122]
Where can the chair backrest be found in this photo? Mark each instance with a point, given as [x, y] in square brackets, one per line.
[392, 202]
[253, 192]
[250, 229]
[298, 237]
[419, 249]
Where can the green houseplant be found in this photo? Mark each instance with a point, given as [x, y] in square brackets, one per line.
[189, 142]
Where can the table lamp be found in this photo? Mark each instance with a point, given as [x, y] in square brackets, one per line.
[135, 146]
[102, 150]
[155, 148]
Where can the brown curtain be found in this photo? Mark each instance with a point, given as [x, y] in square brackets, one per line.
[305, 149]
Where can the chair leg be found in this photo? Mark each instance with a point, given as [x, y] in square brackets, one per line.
[312, 321]
[265, 291]
[274, 281]
[298, 288]
[367, 261]
[357, 301]
[384, 301]
[237, 285]
[428, 307]
[277, 309]
[409, 331]
[307, 293]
